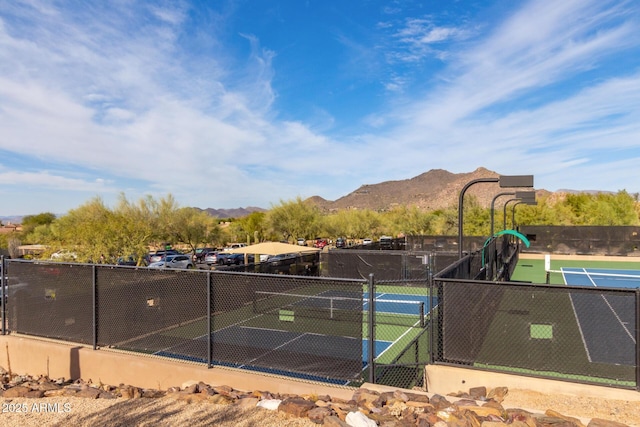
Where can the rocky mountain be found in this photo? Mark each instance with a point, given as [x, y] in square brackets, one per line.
[435, 189]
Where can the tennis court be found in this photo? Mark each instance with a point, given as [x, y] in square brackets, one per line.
[601, 277]
[607, 320]
[276, 337]
[572, 321]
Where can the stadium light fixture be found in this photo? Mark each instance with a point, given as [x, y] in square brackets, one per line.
[526, 196]
[505, 181]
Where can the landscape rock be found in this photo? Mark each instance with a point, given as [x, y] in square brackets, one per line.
[271, 404]
[89, 393]
[358, 419]
[296, 406]
[248, 402]
[478, 393]
[334, 421]
[318, 414]
[398, 408]
[17, 391]
[498, 394]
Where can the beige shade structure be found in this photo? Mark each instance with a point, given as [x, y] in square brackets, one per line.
[272, 248]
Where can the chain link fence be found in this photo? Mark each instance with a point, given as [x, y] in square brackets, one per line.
[306, 327]
[383, 264]
[337, 330]
[583, 240]
[400, 330]
[581, 334]
[393, 313]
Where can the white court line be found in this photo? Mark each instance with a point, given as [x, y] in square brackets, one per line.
[398, 339]
[615, 314]
[575, 314]
[606, 301]
[273, 349]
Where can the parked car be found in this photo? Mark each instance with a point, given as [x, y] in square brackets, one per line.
[221, 257]
[173, 261]
[302, 242]
[211, 258]
[201, 253]
[341, 242]
[235, 246]
[320, 243]
[237, 259]
[278, 259]
[367, 241]
[130, 260]
[386, 242]
[159, 255]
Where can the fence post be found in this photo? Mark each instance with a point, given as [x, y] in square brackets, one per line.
[209, 340]
[372, 333]
[432, 263]
[637, 339]
[94, 297]
[3, 292]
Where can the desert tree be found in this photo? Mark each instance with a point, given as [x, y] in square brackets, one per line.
[193, 227]
[293, 218]
[251, 227]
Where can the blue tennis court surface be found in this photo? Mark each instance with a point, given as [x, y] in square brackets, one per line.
[281, 349]
[607, 319]
[263, 349]
[398, 303]
[601, 277]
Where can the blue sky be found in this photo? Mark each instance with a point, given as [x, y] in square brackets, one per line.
[246, 103]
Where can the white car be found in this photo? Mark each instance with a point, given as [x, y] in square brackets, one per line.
[211, 258]
[173, 261]
[367, 241]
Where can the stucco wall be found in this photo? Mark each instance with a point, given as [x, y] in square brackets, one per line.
[26, 355]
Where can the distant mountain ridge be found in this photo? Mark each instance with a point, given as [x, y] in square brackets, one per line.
[432, 190]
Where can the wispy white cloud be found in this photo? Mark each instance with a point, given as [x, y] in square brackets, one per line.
[50, 180]
[120, 93]
[472, 118]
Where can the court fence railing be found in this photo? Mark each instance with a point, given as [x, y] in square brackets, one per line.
[619, 240]
[580, 334]
[310, 328]
[474, 318]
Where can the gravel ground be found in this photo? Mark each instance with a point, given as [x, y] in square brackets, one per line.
[581, 407]
[161, 412]
[58, 411]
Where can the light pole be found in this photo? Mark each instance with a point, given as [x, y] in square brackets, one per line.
[508, 181]
[504, 225]
[493, 202]
[527, 197]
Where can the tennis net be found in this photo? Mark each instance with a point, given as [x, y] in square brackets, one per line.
[333, 306]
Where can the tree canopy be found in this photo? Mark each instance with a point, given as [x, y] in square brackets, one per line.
[94, 230]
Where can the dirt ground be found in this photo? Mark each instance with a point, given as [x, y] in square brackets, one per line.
[582, 407]
[169, 412]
